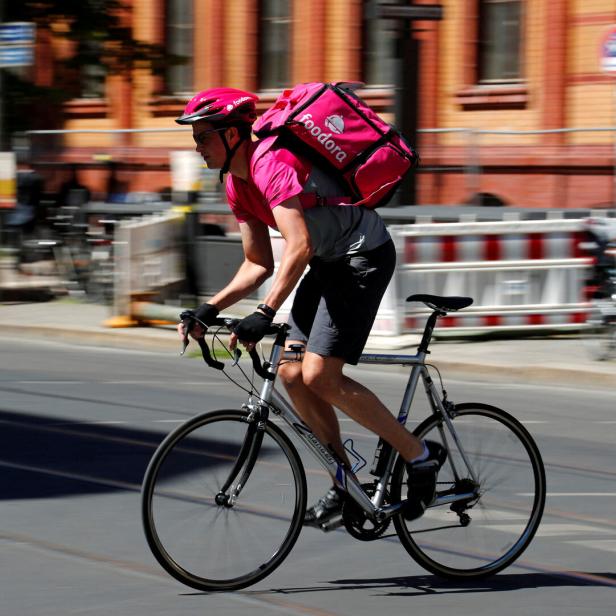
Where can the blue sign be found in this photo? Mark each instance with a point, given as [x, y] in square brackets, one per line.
[16, 55]
[17, 33]
[608, 51]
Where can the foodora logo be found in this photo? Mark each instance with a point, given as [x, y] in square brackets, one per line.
[334, 124]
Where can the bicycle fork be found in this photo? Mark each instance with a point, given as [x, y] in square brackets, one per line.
[246, 458]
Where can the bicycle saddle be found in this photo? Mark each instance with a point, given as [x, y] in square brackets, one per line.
[447, 304]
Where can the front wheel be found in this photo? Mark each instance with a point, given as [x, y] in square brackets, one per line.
[211, 535]
[504, 480]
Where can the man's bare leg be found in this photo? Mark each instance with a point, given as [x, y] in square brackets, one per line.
[324, 378]
[317, 384]
[318, 414]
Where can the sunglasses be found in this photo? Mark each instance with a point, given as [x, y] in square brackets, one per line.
[202, 136]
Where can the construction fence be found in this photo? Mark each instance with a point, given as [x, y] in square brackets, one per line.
[525, 276]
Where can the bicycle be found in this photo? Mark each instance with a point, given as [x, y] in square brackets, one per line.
[601, 332]
[600, 289]
[224, 495]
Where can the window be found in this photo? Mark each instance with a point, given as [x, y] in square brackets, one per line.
[274, 34]
[92, 78]
[379, 47]
[499, 41]
[180, 18]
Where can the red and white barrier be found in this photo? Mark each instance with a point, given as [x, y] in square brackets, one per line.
[522, 274]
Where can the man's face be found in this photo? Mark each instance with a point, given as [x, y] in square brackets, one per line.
[209, 144]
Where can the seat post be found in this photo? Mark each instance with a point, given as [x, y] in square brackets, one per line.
[427, 335]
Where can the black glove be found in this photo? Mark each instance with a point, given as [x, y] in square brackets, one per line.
[253, 327]
[207, 313]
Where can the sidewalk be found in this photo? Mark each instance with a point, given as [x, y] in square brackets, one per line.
[560, 360]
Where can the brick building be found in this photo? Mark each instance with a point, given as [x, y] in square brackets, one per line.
[519, 67]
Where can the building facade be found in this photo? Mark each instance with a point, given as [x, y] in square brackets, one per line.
[514, 105]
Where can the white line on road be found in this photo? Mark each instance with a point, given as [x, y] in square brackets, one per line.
[552, 494]
[152, 381]
[605, 545]
[585, 390]
[553, 530]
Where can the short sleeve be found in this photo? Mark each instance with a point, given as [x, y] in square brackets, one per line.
[277, 180]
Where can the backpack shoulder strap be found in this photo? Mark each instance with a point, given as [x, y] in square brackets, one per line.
[263, 146]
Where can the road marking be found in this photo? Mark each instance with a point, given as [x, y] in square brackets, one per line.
[51, 382]
[550, 494]
[553, 530]
[152, 381]
[478, 514]
[583, 390]
[605, 545]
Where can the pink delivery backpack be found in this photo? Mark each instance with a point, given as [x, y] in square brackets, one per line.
[329, 124]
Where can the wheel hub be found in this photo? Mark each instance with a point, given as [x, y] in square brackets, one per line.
[222, 500]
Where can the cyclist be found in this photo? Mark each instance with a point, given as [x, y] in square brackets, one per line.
[351, 257]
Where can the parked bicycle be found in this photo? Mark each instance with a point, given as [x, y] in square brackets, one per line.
[600, 287]
[224, 495]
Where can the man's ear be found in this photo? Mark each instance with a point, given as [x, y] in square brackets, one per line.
[232, 134]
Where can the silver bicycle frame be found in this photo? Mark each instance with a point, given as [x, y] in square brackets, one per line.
[347, 480]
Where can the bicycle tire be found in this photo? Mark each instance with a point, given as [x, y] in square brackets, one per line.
[178, 502]
[502, 520]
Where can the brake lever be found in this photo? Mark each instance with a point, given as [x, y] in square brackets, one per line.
[236, 356]
[186, 340]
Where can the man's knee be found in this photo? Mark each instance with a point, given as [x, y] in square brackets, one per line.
[320, 380]
[290, 373]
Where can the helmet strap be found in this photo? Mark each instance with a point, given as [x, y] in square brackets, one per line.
[230, 154]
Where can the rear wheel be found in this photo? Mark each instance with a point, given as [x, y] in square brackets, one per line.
[487, 531]
[202, 534]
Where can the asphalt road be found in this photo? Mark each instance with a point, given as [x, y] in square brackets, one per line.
[78, 426]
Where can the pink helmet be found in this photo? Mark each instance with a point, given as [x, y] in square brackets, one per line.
[224, 105]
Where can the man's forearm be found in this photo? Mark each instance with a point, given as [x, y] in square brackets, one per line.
[293, 264]
[247, 279]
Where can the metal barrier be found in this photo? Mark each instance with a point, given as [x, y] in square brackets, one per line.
[524, 275]
[472, 140]
[149, 260]
[152, 146]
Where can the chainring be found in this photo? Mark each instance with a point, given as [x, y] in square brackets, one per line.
[357, 523]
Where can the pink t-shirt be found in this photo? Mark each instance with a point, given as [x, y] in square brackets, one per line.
[276, 175]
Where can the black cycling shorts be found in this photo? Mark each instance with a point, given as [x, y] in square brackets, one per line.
[336, 302]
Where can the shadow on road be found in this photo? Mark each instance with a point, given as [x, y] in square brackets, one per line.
[421, 585]
[51, 458]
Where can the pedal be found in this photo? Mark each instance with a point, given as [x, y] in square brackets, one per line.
[330, 525]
